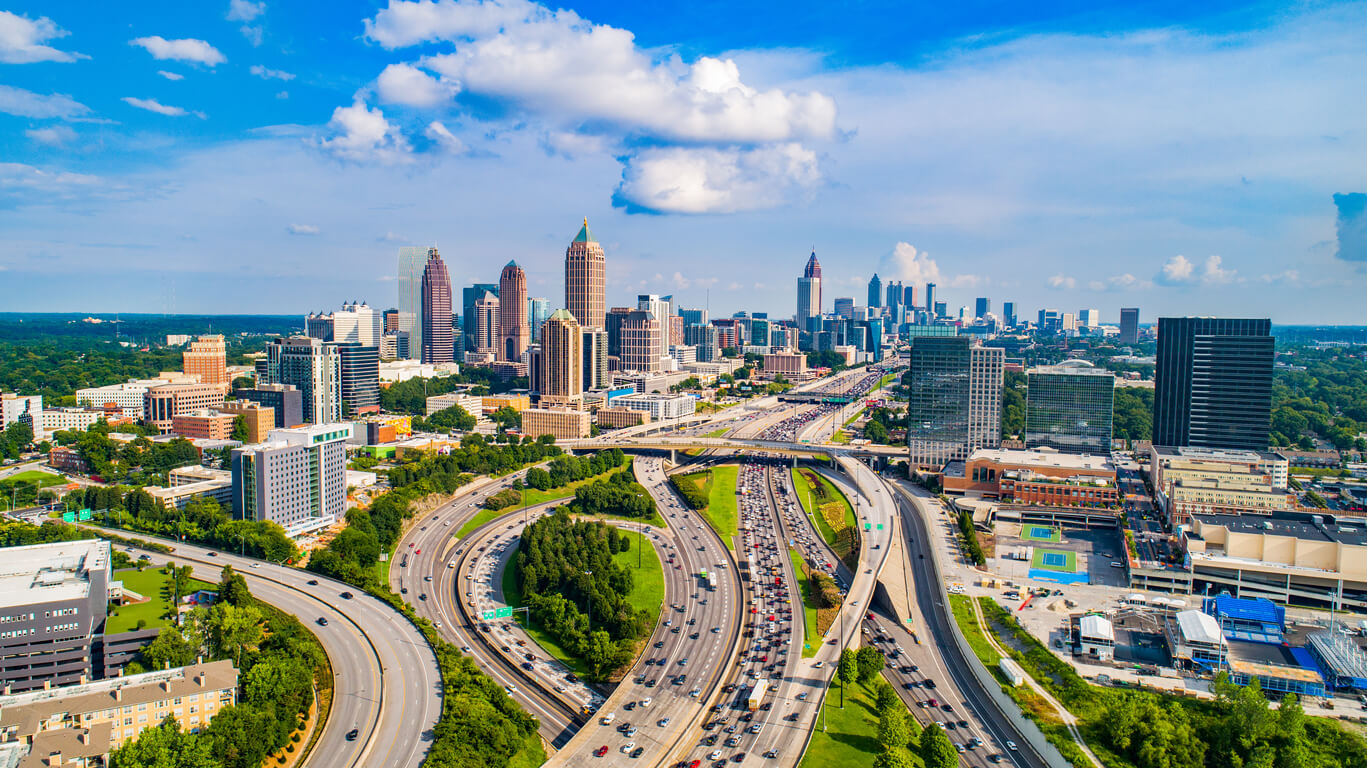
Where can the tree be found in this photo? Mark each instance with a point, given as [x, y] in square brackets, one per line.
[894, 758]
[869, 662]
[506, 418]
[887, 698]
[233, 630]
[894, 731]
[936, 750]
[232, 588]
[875, 432]
[240, 432]
[845, 670]
[168, 649]
[181, 576]
[238, 736]
[164, 746]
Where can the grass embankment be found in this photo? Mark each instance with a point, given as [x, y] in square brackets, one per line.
[833, 515]
[812, 629]
[647, 594]
[718, 432]
[851, 738]
[532, 754]
[154, 585]
[719, 484]
[31, 476]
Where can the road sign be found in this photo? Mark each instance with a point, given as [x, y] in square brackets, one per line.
[868, 527]
[498, 613]
[880, 526]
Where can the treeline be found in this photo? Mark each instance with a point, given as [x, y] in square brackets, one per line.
[137, 462]
[617, 494]
[564, 470]
[446, 419]
[567, 576]
[410, 396]
[476, 456]
[969, 536]
[692, 487]
[278, 661]
[202, 521]
[1328, 399]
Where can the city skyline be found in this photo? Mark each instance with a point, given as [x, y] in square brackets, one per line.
[343, 151]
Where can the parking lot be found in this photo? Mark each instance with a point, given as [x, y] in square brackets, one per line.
[1098, 552]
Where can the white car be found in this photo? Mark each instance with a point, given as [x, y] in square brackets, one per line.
[646, 701]
[627, 747]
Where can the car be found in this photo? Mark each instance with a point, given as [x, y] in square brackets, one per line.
[739, 757]
[510, 688]
[427, 577]
[1011, 745]
[352, 734]
[603, 750]
[646, 701]
[714, 754]
[627, 747]
[213, 554]
[819, 665]
[994, 758]
[695, 764]
[637, 752]
[322, 621]
[347, 595]
[422, 596]
[313, 582]
[662, 722]
[629, 706]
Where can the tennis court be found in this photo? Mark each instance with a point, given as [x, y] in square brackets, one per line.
[1056, 565]
[1048, 533]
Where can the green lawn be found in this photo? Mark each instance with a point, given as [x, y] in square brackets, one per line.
[851, 738]
[801, 486]
[721, 510]
[811, 641]
[531, 755]
[968, 624]
[718, 432]
[152, 584]
[480, 518]
[43, 479]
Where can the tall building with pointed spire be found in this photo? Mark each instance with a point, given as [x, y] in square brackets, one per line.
[438, 341]
[809, 292]
[875, 291]
[512, 321]
[586, 280]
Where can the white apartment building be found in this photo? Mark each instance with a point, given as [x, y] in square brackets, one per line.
[660, 407]
[297, 478]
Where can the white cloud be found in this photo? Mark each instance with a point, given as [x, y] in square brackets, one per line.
[302, 229]
[707, 180]
[53, 135]
[909, 266]
[437, 132]
[362, 134]
[22, 38]
[572, 146]
[1122, 282]
[1177, 271]
[390, 237]
[185, 49]
[1287, 277]
[1215, 273]
[270, 74]
[968, 281]
[170, 75]
[1062, 281]
[18, 177]
[244, 10]
[152, 105]
[282, 95]
[410, 86]
[17, 101]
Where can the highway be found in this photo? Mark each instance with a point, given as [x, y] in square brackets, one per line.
[385, 676]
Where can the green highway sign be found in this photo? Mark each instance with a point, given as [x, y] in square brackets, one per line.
[880, 526]
[866, 526]
[499, 613]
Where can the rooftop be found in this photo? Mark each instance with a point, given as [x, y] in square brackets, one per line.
[1096, 627]
[1198, 627]
[584, 236]
[32, 707]
[1299, 525]
[1214, 454]
[1037, 458]
[50, 572]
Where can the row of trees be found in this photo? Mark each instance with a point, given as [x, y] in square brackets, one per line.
[563, 564]
[277, 660]
[617, 494]
[564, 470]
[476, 456]
[137, 462]
[203, 521]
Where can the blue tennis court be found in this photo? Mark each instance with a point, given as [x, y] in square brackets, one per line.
[1054, 559]
[1047, 533]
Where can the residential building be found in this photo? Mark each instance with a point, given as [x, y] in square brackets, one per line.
[875, 291]
[486, 330]
[1129, 325]
[355, 323]
[562, 361]
[703, 338]
[642, 342]
[661, 407]
[78, 725]
[513, 328]
[412, 262]
[469, 295]
[585, 280]
[594, 343]
[538, 312]
[162, 404]
[676, 330]
[1213, 383]
[314, 368]
[297, 478]
[693, 317]
[24, 409]
[285, 401]
[613, 417]
[77, 419]
[955, 399]
[258, 418]
[438, 341]
[1069, 408]
[1187, 480]
[360, 372]
[560, 423]
[203, 424]
[1035, 477]
[207, 358]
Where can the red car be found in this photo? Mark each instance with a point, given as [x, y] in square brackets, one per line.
[603, 750]
[417, 551]
[695, 764]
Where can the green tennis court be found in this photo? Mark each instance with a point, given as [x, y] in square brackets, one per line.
[1054, 560]
[1049, 533]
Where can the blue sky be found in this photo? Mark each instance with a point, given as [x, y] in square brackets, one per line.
[270, 157]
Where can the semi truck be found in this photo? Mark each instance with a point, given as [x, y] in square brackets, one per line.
[757, 694]
[710, 579]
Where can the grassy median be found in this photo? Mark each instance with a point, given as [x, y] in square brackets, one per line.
[851, 735]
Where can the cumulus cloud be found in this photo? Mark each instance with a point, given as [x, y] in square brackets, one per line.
[1351, 225]
[715, 180]
[1215, 273]
[909, 266]
[53, 135]
[1177, 271]
[22, 38]
[1062, 281]
[246, 11]
[152, 105]
[412, 87]
[270, 74]
[185, 49]
[302, 229]
[170, 75]
[438, 133]
[1285, 277]
[1122, 282]
[362, 134]
[23, 103]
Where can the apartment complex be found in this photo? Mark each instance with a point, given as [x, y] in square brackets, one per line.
[955, 399]
[560, 423]
[1069, 408]
[1208, 480]
[297, 478]
[162, 404]
[314, 368]
[207, 358]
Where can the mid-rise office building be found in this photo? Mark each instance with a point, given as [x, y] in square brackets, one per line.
[285, 402]
[390, 320]
[438, 339]
[955, 399]
[296, 479]
[1088, 318]
[562, 361]
[205, 424]
[162, 404]
[513, 327]
[642, 342]
[844, 307]
[77, 419]
[395, 346]
[703, 338]
[1213, 383]
[1069, 408]
[53, 602]
[613, 323]
[360, 371]
[22, 409]
[314, 368]
[207, 358]
[586, 279]
[559, 423]
[412, 262]
[594, 342]
[129, 396]
[1129, 325]
[785, 363]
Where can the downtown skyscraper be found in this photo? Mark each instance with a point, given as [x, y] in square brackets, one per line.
[438, 342]
[586, 280]
[412, 260]
[513, 326]
[1213, 383]
[809, 293]
[562, 361]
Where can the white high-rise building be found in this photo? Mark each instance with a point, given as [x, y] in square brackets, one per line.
[297, 478]
[357, 324]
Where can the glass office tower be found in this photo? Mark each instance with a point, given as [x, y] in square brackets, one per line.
[1213, 384]
[1069, 408]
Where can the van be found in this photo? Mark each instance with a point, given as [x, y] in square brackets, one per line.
[1115, 564]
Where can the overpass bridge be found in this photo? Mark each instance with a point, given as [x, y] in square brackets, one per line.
[765, 447]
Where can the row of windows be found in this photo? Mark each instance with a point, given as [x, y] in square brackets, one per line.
[61, 612]
[17, 617]
[17, 633]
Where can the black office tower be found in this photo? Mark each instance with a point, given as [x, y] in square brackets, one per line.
[1213, 385]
